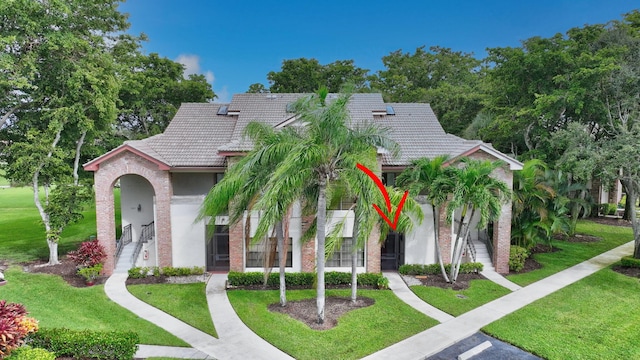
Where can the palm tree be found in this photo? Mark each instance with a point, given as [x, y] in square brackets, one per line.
[326, 153]
[475, 191]
[433, 179]
[245, 180]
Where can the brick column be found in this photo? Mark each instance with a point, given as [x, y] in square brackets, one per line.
[236, 247]
[105, 221]
[502, 228]
[373, 251]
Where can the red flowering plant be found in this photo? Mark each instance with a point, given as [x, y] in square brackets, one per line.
[15, 325]
[90, 253]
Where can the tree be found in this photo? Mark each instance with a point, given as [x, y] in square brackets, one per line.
[446, 79]
[59, 91]
[153, 89]
[257, 88]
[326, 153]
[430, 178]
[245, 181]
[308, 75]
[474, 191]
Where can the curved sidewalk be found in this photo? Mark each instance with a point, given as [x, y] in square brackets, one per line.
[236, 340]
[439, 337]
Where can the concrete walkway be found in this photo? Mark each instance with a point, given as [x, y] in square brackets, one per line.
[236, 340]
[500, 280]
[437, 338]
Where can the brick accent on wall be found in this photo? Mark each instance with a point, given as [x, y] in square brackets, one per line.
[236, 247]
[109, 172]
[373, 251]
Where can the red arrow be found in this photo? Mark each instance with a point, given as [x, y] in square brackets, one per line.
[384, 192]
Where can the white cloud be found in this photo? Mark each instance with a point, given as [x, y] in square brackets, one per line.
[192, 66]
[223, 95]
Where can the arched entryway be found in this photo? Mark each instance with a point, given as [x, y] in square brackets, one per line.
[145, 198]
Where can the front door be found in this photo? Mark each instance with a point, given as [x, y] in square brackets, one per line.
[392, 252]
[218, 249]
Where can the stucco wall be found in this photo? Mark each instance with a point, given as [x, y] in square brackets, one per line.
[420, 243]
[136, 190]
[186, 184]
[189, 246]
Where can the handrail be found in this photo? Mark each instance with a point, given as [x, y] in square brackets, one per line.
[483, 235]
[472, 250]
[125, 239]
[147, 233]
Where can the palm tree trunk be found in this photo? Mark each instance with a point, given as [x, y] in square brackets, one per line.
[354, 261]
[282, 256]
[465, 238]
[436, 216]
[456, 244]
[320, 257]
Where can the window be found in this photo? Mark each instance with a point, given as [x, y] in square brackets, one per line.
[342, 257]
[389, 178]
[256, 252]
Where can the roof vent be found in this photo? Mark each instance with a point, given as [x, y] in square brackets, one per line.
[272, 96]
[223, 110]
[390, 110]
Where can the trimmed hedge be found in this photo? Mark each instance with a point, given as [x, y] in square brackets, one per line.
[434, 269]
[29, 353]
[143, 272]
[630, 261]
[302, 279]
[102, 345]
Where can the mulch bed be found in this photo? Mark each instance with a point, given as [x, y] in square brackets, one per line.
[66, 269]
[438, 281]
[610, 221]
[305, 311]
[629, 271]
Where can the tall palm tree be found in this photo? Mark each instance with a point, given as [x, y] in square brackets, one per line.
[432, 178]
[475, 191]
[245, 180]
[325, 154]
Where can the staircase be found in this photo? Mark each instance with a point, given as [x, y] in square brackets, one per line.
[482, 255]
[124, 261]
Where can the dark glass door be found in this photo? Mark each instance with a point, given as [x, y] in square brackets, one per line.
[392, 252]
[218, 250]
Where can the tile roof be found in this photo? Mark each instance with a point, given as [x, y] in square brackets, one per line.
[197, 134]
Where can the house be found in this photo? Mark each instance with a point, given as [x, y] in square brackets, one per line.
[164, 179]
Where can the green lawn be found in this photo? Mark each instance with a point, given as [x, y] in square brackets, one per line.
[359, 332]
[595, 318]
[458, 302]
[186, 302]
[574, 253]
[3, 181]
[54, 303]
[22, 235]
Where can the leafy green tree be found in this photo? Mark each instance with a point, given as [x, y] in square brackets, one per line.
[308, 75]
[326, 154]
[257, 88]
[153, 90]
[59, 91]
[446, 79]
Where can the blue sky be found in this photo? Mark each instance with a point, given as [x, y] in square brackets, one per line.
[235, 43]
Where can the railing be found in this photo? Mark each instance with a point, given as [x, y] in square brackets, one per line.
[125, 239]
[472, 250]
[483, 235]
[147, 233]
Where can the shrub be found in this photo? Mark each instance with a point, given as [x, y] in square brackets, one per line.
[630, 261]
[383, 283]
[434, 269]
[138, 272]
[29, 353]
[301, 279]
[90, 273]
[89, 253]
[517, 256]
[112, 345]
[15, 325]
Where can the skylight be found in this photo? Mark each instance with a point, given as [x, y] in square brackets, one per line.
[223, 110]
[390, 110]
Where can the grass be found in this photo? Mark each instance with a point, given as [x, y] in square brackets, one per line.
[186, 302]
[574, 253]
[595, 318]
[458, 302]
[358, 333]
[54, 303]
[3, 180]
[22, 235]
